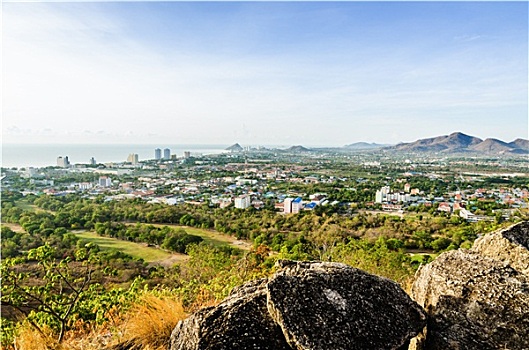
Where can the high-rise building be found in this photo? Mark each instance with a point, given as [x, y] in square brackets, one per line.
[383, 194]
[297, 205]
[291, 205]
[105, 181]
[287, 205]
[242, 202]
[187, 154]
[157, 154]
[167, 153]
[378, 197]
[93, 161]
[132, 158]
[63, 162]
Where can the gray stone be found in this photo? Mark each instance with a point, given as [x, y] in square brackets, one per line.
[510, 246]
[473, 302]
[239, 322]
[334, 306]
[310, 305]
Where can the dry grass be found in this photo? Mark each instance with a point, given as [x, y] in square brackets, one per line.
[30, 338]
[148, 325]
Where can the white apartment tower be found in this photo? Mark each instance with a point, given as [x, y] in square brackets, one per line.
[378, 196]
[287, 205]
[166, 153]
[105, 181]
[242, 202]
[63, 162]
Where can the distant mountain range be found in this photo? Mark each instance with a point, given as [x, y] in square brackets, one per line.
[364, 145]
[458, 142]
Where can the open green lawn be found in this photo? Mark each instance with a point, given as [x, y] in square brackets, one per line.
[137, 250]
[24, 205]
[213, 237]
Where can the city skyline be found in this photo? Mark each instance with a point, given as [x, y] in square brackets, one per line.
[317, 73]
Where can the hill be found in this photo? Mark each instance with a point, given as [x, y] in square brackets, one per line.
[458, 142]
[297, 149]
[492, 146]
[235, 148]
[454, 142]
[520, 144]
[364, 145]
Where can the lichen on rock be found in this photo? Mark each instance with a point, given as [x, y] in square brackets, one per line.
[306, 305]
[334, 306]
[478, 298]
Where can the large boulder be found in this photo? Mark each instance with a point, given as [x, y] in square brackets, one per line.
[334, 306]
[239, 322]
[510, 246]
[310, 305]
[475, 301]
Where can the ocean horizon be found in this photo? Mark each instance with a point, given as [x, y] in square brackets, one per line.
[43, 155]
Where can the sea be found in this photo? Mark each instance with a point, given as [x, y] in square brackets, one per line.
[43, 155]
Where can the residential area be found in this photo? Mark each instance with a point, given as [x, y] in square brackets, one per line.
[292, 182]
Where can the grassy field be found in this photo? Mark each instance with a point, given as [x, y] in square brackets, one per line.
[213, 237]
[137, 250]
[24, 205]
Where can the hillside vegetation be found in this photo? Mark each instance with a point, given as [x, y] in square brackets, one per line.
[69, 289]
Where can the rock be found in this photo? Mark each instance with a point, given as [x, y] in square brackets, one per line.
[335, 306]
[306, 306]
[510, 246]
[473, 302]
[239, 322]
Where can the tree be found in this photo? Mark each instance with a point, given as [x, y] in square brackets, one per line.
[51, 300]
[441, 243]
[179, 240]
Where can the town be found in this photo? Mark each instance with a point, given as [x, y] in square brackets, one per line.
[295, 180]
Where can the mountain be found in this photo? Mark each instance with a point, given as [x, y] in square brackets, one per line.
[235, 148]
[364, 145]
[459, 142]
[492, 146]
[455, 142]
[297, 149]
[520, 144]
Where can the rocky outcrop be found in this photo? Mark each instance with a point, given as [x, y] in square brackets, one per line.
[239, 322]
[479, 298]
[333, 306]
[306, 305]
[510, 246]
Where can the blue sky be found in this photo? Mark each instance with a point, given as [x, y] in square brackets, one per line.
[263, 73]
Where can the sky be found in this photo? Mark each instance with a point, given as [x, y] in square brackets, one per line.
[263, 73]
